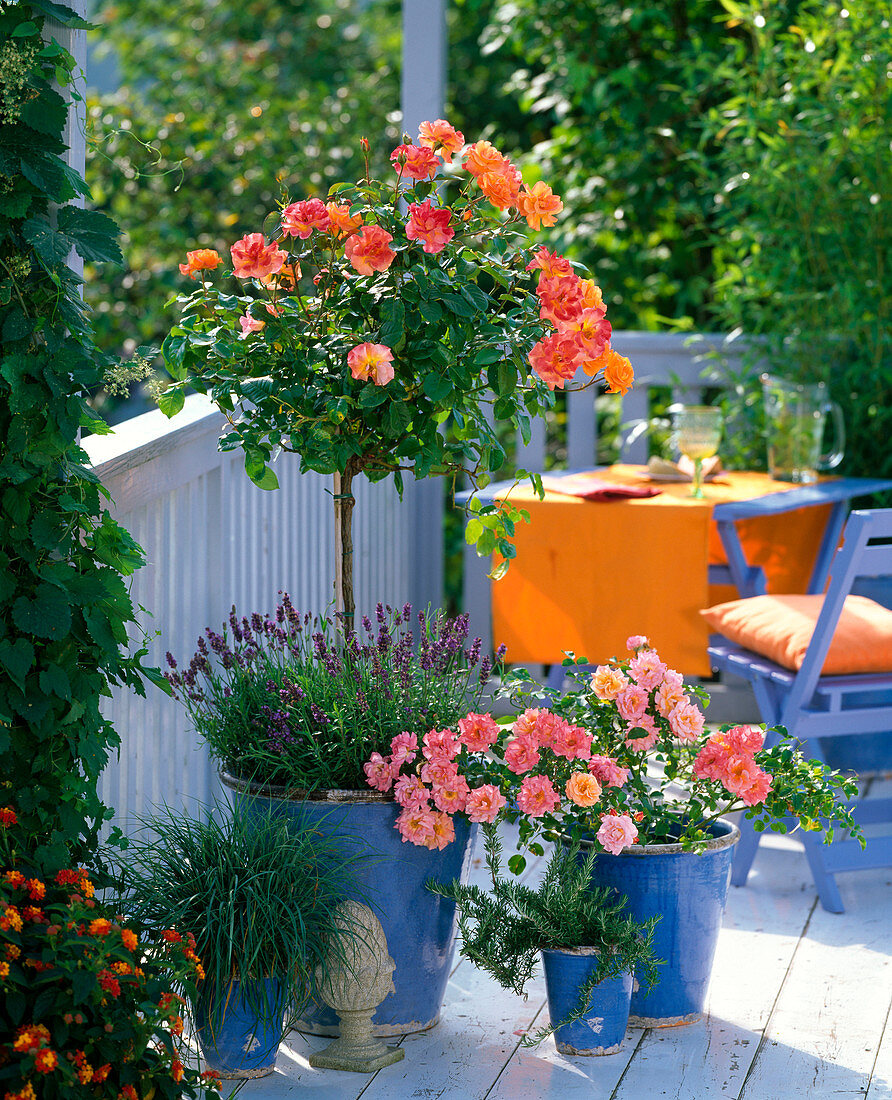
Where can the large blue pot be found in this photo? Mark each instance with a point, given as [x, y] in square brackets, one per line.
[603, 1027]
[390, 874]
[239, 1033]
[687, 892]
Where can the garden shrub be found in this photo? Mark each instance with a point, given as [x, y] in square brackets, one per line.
[806, 245]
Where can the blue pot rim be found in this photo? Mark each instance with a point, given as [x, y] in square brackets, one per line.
[727, 835]
[295, 794]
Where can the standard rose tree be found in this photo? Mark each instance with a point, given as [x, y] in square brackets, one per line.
[622, 758]
[369, 322]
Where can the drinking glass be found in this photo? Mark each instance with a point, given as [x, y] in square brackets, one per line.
[698, 430]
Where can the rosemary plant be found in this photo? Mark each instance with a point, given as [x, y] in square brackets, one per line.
[502, 931]
[257, 893]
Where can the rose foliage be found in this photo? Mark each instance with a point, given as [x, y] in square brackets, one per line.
[623, 757]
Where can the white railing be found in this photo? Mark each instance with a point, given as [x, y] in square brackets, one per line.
[213, 539]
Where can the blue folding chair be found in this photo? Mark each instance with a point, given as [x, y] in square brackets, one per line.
[812, 706]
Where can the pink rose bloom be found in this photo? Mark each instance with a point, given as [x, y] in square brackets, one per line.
[607, 771]
[478, 731]
[616, 833]
[743, 776]
[371, 363]
[416, 825]
[451, 796]
[759, 789]
[483, 803]
[669, 695]
[299, 219]
[403, 749]
[637, 641]
[443, 832]
[647, 670]
[439, 772]
[573, 742]
[415, 162]
[411, 793]
[643, 734]
[548, 727]
[607, 682]
[248, 325]
[378, 772]
[743, 739]
[430, 225]
[440, 746]
[253, 258]
[632, 702]
[526, 722]
[522, 754]
[537, 796]
[686, 721]
[710, 762]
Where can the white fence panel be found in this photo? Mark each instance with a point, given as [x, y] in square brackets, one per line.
[213, 539]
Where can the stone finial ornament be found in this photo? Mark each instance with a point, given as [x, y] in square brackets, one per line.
[356, 978]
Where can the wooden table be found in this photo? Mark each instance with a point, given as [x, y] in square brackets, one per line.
[587, 575]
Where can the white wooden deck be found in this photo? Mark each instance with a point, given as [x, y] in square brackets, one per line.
[799, 1007]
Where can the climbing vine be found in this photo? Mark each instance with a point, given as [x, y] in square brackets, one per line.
[64, 603]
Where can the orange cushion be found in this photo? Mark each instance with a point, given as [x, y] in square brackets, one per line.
[780, 628]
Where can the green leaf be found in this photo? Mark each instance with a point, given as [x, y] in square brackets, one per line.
[437, 387]
[266, 479]
[397, 418]
[17, 658]
[517, 864]
[46, 616]
[94, 234]
[473, 531]
[54, 681]
[372, 396]
[83, 982]
[172, 400]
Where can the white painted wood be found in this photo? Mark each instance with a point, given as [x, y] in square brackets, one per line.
[424, 63]
[213, 539]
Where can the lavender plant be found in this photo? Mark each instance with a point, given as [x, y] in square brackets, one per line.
[301, 701]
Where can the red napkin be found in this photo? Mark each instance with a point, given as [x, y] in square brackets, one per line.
[592, 487]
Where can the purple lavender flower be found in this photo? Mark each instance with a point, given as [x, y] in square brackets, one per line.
[170, 659]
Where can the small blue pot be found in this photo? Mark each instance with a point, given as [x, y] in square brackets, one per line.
[687, 892]
[390, 873]
[235, 1040]
[603, 1027]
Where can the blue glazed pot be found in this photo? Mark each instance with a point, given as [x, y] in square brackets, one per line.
[236, 1041]
[602, 1029]
[687, 892]
[420, 927]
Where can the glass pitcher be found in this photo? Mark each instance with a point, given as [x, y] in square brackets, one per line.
[795, 418]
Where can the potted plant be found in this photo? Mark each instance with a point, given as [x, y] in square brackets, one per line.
[292, 708]
[624, 761]
[368, 321]
[256, 898]
[590, 945]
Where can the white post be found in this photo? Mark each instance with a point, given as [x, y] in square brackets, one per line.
[424, 62]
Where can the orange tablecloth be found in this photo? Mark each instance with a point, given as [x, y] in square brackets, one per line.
[587, 575]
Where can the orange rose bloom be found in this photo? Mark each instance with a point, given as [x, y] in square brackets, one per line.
[483, 157]
[539, 205]
[592, 298]
[552, 265]
[441, 137]
[583, 789]
[202, 259]
[501, 186]
[369, 250]
[371, 362]
[607, 682]
[415, 162]
[339, 220]
[554, 359]
[617, 370]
